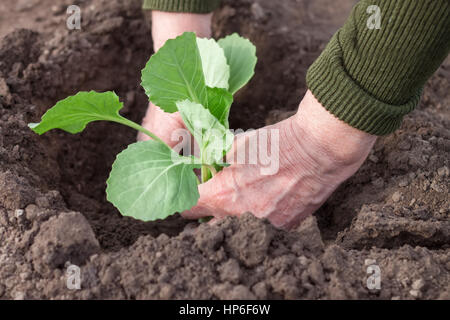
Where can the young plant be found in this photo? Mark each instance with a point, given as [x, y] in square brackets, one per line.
[194, 76]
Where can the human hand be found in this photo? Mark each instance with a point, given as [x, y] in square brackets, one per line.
[165, 26]
[317, 152]
[162, 124]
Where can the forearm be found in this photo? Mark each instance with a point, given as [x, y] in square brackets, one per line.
[169, 25]
[171, 18]
[371, 78]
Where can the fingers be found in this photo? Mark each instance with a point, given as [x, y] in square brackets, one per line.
[220, 196]
[214, 197]
[214, 221]
[204, 207]
[197, 212]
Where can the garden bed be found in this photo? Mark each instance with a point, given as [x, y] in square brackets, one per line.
[53, 210]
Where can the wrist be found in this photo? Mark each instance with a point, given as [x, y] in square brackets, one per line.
[328, 137]
[169, 25]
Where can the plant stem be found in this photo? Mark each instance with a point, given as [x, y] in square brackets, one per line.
[205, 173]
[137, 127]
[206, 169]
[212, 169]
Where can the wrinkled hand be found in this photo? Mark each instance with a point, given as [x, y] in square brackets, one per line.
[317, 152]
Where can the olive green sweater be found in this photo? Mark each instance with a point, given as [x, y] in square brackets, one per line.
[372, 71]
[194, 6]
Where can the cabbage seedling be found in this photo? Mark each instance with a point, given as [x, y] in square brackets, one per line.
[194, 76]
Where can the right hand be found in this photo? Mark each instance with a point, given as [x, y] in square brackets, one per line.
[313, 154]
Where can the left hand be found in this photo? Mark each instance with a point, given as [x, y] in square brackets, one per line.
[165, 26]
[317, 152]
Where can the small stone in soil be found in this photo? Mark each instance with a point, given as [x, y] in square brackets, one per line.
[373, 158]
[378, 183]
[436, 187]
[58, 9]
[443, 172]
[403, 183]
[397, 196]
[18, 213]
[257, 11]
[418, 284]
[415, 293]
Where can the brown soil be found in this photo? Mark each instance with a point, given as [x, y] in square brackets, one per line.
[53, 210]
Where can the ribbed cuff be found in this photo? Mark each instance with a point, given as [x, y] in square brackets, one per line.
[191, 6]
[341, 95]
[369, 76]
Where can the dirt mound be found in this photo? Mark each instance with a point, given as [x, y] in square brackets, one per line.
[394, 213]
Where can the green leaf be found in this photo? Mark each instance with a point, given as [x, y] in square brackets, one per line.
[74, 113]
[212, 137]
[214, 62]
[241, 57]
[149, 181]
[219, 103]
[175, 73]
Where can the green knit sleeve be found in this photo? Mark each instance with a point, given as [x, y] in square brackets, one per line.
[371, 74]
[192, 6]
